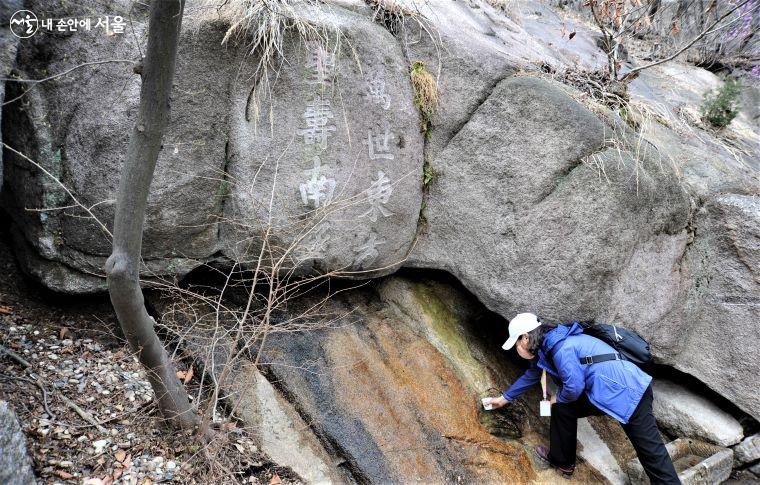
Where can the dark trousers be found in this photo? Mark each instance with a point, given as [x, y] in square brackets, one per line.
[641, 430]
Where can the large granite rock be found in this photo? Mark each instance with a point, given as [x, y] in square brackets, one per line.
[535, 203]
[685, 414]
[527, 225]
[338, 145]
[77, 127]
[15, 465]
[715, 330]
[342, 140]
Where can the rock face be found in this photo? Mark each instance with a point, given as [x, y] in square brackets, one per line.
[15, 466]
[396, 395]
[281, 432]
[339, 146]
[537, 198]
[685, 414]
[525, 225]
[337, 142]
[77, 128]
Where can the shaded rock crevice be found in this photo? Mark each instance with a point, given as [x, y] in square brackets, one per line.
[562, 176]
[223, 194]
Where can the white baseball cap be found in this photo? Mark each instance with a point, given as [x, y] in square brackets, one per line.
[522, 323]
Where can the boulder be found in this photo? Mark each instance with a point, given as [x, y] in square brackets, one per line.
[338, 129]
[77, 128]
[527, 225]
[338, 146]
[685, 414]
[747, 451]
[15, 465]
[708, 335]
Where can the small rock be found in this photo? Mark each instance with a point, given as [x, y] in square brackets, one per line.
[747, 451]
[99, 445]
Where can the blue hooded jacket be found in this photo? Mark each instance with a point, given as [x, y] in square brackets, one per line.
[614, 386]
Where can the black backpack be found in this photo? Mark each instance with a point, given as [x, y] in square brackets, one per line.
[630, 345]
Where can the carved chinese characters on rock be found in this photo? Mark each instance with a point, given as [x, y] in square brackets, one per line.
[317, 127]
[318, 189]
[367, 252]
[377, 195]
[314, 244]
[320, 65]
[318, 119]
[376, 89]
[378, 144]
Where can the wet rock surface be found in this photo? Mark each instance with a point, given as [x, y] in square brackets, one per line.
[391, 405]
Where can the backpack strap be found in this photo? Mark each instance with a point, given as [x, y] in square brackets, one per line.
[593, 359]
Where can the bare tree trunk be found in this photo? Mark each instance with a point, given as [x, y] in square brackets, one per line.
[123, 265]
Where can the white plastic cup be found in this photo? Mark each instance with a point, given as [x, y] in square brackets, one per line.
[487, 403]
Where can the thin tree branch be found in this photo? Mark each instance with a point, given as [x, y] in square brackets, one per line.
[680, 51]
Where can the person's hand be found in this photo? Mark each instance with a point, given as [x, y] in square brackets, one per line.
[497, 402]
[553, 399]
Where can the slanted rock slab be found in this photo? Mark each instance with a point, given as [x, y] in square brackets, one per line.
[686, 414]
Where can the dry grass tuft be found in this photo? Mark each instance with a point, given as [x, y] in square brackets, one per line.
[263, 26]
[391, 14]
[425, 94]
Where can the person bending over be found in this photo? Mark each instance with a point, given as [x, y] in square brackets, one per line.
[616, 387]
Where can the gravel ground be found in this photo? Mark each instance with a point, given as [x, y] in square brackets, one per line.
[85, 405]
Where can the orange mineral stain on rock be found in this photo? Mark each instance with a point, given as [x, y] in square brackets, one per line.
[416, 408]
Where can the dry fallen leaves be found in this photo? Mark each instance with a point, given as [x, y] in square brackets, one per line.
[185, 375]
